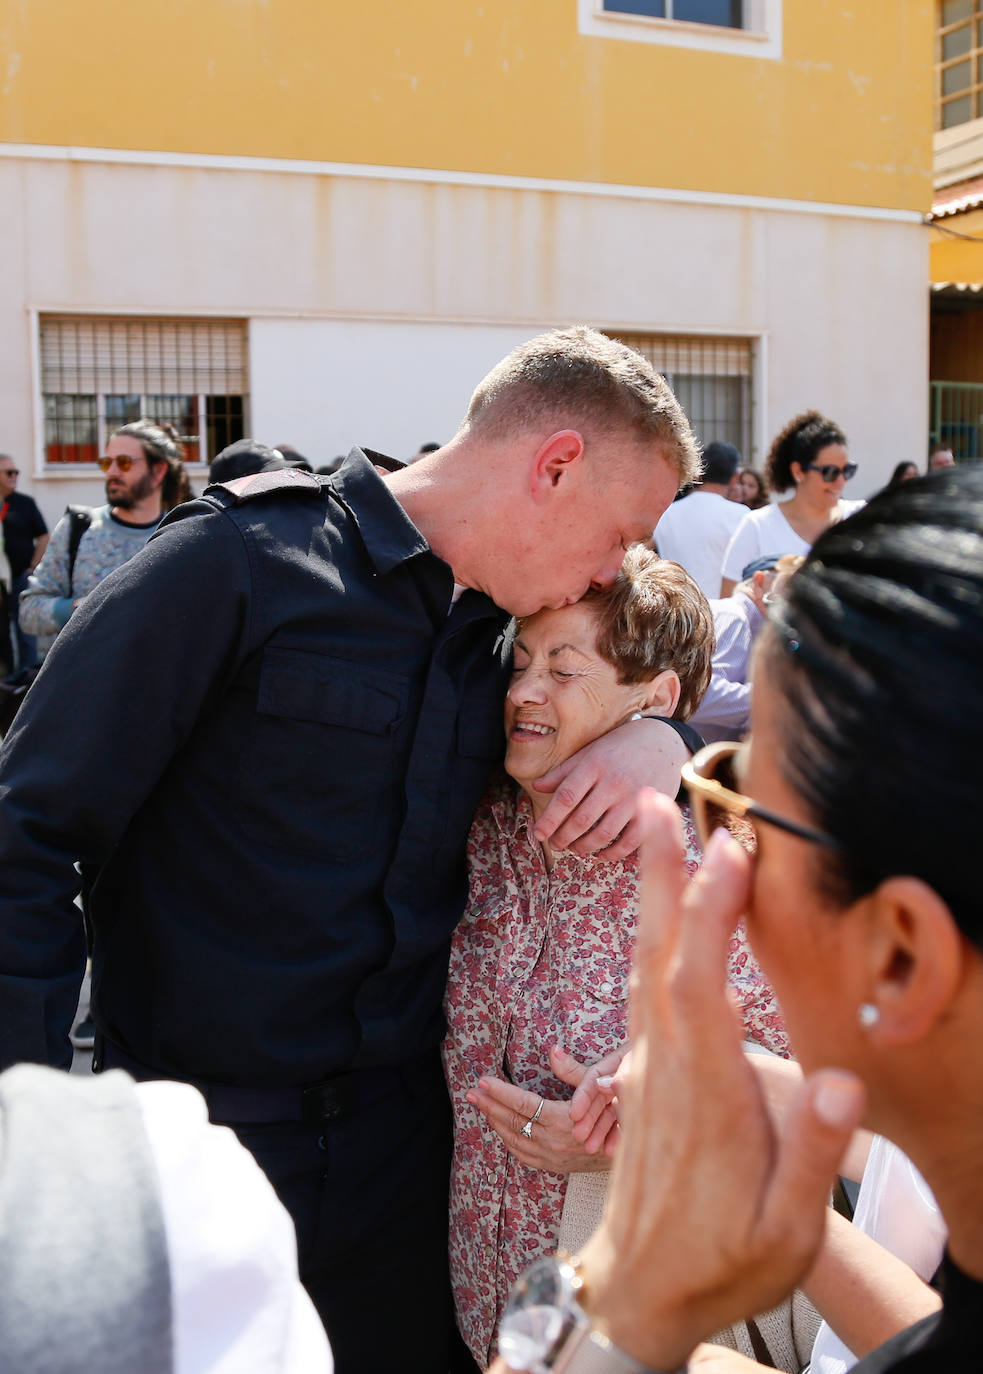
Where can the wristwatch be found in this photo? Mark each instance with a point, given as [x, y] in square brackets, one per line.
[544, 1330]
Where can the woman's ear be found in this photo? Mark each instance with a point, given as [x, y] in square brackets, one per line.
[915, 956]
[661, 695]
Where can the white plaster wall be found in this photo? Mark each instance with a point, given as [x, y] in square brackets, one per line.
[375, 305]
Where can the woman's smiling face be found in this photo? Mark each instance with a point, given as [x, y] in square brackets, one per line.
[563, 694]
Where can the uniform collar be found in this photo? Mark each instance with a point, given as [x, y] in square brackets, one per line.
[389, 535]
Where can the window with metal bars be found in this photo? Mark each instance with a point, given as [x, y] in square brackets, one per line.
[98, 373]
[958, 62]
[711, 378]
[727, 14]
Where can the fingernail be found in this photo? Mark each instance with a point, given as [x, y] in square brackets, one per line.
[718, 844]
[835, 1100]
[469, 1097]
[606, 1081]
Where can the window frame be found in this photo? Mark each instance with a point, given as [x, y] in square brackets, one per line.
[81, 470]
[761, 35]
[974, 56]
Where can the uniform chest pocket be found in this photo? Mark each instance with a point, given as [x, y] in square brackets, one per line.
[321, 754]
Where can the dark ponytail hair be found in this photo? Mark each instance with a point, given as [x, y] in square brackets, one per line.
[161, 443]
[799, 442]
[877, 651]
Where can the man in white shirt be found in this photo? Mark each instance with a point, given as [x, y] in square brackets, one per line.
[696, 530]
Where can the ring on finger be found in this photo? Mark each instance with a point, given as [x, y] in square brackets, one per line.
[527, 1128]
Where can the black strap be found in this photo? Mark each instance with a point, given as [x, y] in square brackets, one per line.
[80, 518]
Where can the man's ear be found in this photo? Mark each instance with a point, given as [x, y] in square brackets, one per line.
[661, 694]
[159, 472]
[555, 460]
[915, 955]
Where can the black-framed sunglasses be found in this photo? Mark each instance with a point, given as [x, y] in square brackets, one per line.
[9, 472]
[829, 471]
[710, 778]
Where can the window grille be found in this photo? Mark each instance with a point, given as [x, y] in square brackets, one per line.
[711, 377]
[98, 373]
[958, 62]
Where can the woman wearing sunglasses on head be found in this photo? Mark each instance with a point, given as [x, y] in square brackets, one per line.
[810, 458]
[862, 904]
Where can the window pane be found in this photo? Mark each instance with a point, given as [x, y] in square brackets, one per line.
[957, 112]
[956, 78]
[957, 43]
[71, 429]
[725, 13]
[120, 410]
[224, 418]
[954, 10]
[715, 406]
[655, 9]
[182, 413]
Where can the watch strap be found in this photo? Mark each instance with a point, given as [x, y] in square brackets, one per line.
[588, 1352]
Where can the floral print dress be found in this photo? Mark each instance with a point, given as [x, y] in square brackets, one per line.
[541, 958]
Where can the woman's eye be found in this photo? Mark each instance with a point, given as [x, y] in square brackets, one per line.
[561, 675]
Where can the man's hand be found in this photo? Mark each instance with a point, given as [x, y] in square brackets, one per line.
[552, 1146]
[711, 1215]
[595, 792]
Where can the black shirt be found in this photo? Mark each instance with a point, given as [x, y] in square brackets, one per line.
[269, 730]
[23, 523]
[949, 1342]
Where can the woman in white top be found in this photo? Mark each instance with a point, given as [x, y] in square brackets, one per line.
[810, 456]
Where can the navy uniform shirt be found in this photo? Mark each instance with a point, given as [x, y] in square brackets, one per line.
[269, 731]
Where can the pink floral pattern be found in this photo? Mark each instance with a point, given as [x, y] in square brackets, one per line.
[540, 958]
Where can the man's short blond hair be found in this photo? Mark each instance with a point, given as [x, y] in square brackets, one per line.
[654, 617]
[580, 378]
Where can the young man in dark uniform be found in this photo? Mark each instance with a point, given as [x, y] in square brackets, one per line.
[297, 707]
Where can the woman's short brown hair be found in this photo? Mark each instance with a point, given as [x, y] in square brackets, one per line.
[654, 617]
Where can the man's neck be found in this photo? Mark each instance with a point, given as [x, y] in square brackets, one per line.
[713, 488]
[146, 512]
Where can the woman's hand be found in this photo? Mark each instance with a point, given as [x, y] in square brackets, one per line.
[552, 1146]
[594, 805]
[710, 1215]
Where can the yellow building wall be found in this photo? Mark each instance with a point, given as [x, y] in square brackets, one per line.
[957, 259]
[505, 86]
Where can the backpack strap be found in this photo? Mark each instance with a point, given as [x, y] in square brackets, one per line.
[80, 518]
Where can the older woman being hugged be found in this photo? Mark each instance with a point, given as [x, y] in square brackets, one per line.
[539, 966]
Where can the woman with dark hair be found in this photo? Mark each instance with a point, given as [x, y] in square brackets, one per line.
[751, 489]
[809, 457]
[862, 903]
[904, 472]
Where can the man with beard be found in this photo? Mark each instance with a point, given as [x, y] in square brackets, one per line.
[142, 464]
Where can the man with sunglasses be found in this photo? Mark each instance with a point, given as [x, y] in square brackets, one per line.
[112, 535]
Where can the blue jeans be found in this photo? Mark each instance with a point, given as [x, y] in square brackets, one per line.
[25, 646]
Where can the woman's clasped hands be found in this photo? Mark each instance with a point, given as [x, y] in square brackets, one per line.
[552, 1143]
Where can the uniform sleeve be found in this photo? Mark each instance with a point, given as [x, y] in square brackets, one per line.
[46, 602]
[146, 654]
[742, 549]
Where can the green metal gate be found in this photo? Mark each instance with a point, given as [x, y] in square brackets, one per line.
[956, 411]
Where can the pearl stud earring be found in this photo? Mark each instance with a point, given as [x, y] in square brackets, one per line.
[868, 1015]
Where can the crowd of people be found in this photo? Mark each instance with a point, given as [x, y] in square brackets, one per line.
[355, 769]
